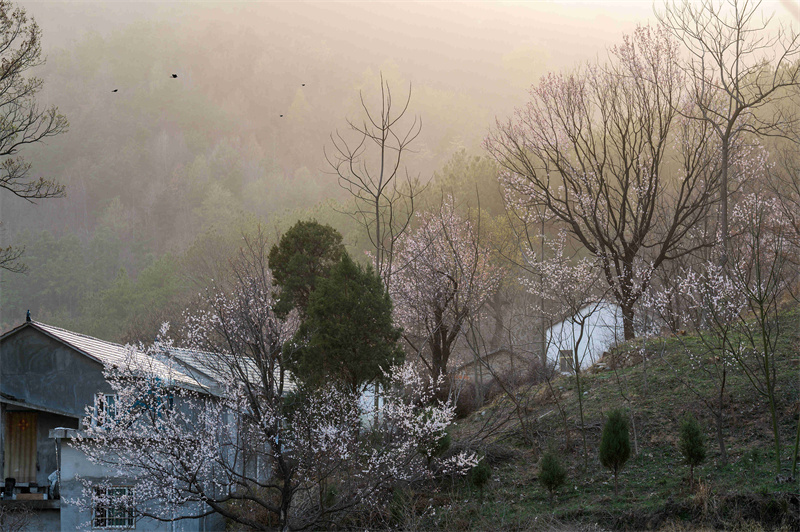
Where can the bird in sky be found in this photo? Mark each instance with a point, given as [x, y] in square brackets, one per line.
[174, 76]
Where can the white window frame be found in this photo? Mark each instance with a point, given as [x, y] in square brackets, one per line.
[105, 408]
[565, 361]
[113, 518]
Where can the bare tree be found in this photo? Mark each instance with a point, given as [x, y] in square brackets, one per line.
[594, 149]
[784, 182]
[710, 305]
[22, 121]
[738, 71]
[369, 165]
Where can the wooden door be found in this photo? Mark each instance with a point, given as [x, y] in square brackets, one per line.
[20, 448]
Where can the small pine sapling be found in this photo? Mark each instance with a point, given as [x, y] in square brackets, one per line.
[692, 444]
[479, 475]
[615, 444]
[551, 473]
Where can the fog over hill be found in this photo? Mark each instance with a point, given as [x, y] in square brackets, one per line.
[164, 159]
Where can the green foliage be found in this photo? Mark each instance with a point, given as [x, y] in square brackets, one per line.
[306, 252]
[551, 473]
[473, 180]
[479, 476]
[692, 444]
[329, 496]
[348, 332]
[615, 444]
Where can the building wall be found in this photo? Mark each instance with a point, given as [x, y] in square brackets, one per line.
[40, 371]
[46, 458]
[73, 517]
[602, 328]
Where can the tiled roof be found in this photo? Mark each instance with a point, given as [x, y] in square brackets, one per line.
[197, 370]
[214, 366]
[110, 353]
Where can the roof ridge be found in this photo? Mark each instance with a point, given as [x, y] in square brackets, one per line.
[41, 324]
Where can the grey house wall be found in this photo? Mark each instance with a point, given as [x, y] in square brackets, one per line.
[39, 373]
[74, 517]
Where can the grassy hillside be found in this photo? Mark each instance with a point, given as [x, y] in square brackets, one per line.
[654, 493]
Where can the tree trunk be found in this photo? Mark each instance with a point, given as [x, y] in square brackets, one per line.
[577, 371]
[496, 304]
[627, 321]
[796, 447]
[720, 418]
[723, 192]
[721, 440]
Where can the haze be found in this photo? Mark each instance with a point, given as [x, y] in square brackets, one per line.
[163, 160]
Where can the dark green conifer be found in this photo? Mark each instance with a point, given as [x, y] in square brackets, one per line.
[692, 444]
[615, 444]
[348, 334]
[551, 473]
[479, 476]
[306, 252]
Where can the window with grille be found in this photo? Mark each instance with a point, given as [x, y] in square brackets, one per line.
[112, 507]
[105, 408]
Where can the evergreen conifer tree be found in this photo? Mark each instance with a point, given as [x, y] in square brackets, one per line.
[551, 473]
[479, 475]
[692, 444]
[615, 444]
[348, 333]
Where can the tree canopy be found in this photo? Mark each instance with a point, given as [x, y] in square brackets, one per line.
[348, 333]
[305, 252]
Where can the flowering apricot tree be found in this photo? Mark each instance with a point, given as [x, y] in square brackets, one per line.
[442, 275]
[606, 152]
[736, 308]
[216, 428]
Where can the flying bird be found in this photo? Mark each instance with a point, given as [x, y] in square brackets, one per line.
[174, 76]
[115, 90]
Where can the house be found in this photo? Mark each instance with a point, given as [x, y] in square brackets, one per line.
[502, 362]
[49, 377]
[593, 330]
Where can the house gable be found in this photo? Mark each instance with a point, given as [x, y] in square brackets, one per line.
[41, 372]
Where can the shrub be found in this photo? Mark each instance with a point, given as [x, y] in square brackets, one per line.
[615, 444]
[691, 444]
[551, 473]
[479, 475]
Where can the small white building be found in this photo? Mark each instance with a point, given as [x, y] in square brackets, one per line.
[593, 330]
